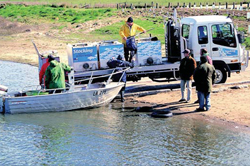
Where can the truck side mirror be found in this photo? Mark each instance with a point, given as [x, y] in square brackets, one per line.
[240, 37]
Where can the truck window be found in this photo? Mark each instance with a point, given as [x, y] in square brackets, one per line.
[223, 34]
[202, 35]
[185, 30]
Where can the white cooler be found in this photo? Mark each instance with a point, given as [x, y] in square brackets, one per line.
[83, 56]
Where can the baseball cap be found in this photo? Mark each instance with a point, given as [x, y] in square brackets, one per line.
[186, 51]
[119, 57]
[130, 19]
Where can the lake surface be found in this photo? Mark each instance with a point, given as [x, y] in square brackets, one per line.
[17, 76]
[108, 136]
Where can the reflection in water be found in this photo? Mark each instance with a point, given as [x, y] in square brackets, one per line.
[109, 137]
[105, 136]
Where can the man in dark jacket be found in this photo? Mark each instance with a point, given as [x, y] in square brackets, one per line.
[204, 77]
[204, 52]
[119, 63]
[187, 67]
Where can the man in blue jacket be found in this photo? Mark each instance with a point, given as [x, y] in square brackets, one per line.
[119, 64]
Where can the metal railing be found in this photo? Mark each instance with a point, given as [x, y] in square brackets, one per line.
[90, 80]
[102, 76]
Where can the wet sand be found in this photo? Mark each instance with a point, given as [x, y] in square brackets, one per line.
[229, 104]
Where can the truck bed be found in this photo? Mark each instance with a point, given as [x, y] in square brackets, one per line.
[137, 70]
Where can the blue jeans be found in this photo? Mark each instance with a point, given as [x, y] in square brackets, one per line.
[204, 100]
[184, 84]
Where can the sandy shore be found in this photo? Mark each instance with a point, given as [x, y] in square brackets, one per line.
[230, 104]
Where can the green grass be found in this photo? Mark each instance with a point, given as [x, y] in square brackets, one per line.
[242, 29]
[247, 42]
[62, 16]
[23, 13]
[112, 32]
[160, 2]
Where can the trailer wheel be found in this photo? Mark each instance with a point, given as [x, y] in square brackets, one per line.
[221, 75]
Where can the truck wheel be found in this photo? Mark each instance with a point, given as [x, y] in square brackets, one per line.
[221, 75]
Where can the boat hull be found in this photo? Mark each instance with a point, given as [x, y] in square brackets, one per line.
[62, 101]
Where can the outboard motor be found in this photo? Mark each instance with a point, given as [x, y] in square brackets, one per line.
[1, 104]
[3, 90]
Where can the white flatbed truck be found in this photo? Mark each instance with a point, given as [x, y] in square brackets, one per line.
[215, 33]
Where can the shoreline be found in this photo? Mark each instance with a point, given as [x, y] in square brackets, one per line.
[231, 115]
[31, 64]
[146, 97]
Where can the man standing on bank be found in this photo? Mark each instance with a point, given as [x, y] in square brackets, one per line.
[187, 67]
[127, 30]
[204, 77]
[203, 52]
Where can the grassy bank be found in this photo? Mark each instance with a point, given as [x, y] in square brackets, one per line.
[63, 18]
[27, 14]
[60, 18]
[111, 32]
[136, 2]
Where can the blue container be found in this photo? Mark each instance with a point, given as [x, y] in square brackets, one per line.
[82, 57]
[146, 50]
[108, 51]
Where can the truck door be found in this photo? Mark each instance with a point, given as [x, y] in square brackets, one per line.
[224, 50]
[223, 43]
[203, 42]
[172, 40]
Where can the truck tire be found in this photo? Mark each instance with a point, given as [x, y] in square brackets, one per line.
[221, 75]
[162, 114]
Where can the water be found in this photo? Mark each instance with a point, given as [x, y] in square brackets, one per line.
[107, 136]
[17, 76]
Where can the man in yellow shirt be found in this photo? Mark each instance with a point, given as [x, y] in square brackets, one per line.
[127, 30]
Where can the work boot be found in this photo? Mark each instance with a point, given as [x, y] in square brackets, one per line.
[199, 110]
[197, 101]
[122, 96]
[182, 100]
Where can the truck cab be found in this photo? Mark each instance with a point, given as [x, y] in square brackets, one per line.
[218, 35]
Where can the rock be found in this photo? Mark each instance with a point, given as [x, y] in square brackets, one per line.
[27, 30]
[239, 87]
[215, 91]
[144, 109]
[78, 26]
[235, 87]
